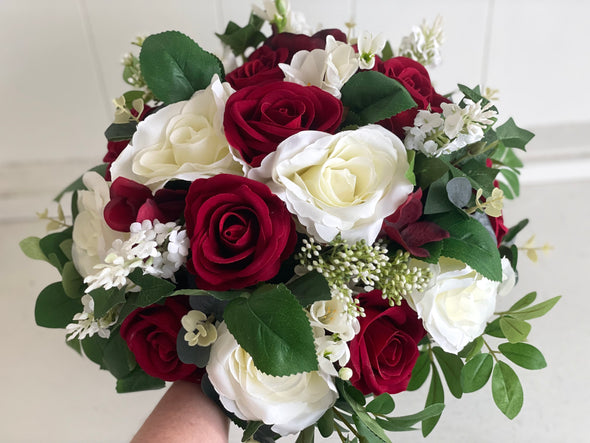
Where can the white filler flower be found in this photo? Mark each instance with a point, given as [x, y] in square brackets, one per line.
[345, 183]
[290, 403]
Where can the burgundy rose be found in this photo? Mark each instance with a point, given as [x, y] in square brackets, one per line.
[299, 42]
[262, 67]
[414, 77]
[258, 118]
[151, 335]
[405, 228]
[133, 202]
[239, 232]
[384, 352]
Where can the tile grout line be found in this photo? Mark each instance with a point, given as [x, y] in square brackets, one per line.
[91, 42]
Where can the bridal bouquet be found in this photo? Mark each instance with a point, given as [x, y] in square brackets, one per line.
[305, 231]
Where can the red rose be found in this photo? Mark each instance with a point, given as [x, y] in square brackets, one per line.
[239, 232]
[299, 42]
[261, 67]
[133, 202]
[384, 352]
[151, 335]
[258, 118]
[414, 77]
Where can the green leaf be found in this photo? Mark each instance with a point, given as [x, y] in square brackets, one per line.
[30, 247]
[306, 436]
[405, 422]
[437, 200]
[219, 295]
[373, 96]
[117, 358]
[476, 372]
[93, 348]
[514, 330]
[326, 423]
[51, 247]
[420, 372]
[130, 96]
[524, 355]
[478, 174]
[273, 328]
[78, 184]
[310, 288]
[511, 186]
[428, 170]
[106, 299]
[512, 136]
[369, 434]
[72, 281]
[537, 310]
[514, 230]
[241, 38]
[251, 429]
[524, 301]
[494, 329]
[153, 289]
[174, 66]
[54, 309]
[193, 355]
[506, 390]
[410, 172]
[382, 404]
[473, 94]
[387, 52]
[471, 349]
[471, 243]
[118, 132]
[138, 380]
[75, 345]
[451, 366]
[436, 394]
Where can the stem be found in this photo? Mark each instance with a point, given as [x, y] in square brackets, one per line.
[492, 352]
[469, 154]
[348, 425]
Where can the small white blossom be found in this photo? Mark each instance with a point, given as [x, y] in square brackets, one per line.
[369, 47]
[87, 325]
[423, 44]
[279, 13]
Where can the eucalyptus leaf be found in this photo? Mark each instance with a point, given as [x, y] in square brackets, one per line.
[514, 330]
[51, 247]
[451, 366]
[459, 191]
[72, 281]
[30, 247]
[476, 372]
[191, 355]
[273, 328]
[54, 309]
[507, 390]
[524, 355]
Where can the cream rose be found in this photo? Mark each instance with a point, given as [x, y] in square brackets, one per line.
[92, 237]
[345, 183]
[289, 403]
[458, 302]
[183, 140]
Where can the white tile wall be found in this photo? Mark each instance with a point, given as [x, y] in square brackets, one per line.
[59, 69]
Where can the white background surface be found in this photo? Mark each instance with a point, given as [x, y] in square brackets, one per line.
[60, 69]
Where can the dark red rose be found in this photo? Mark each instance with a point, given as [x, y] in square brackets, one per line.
[404, 227]
[262, 67]
[133, 202]
[258, 118]
[151, 335]
[384, 352]
[414, 77]
[114, 148]
[239, 232]
[299, 42]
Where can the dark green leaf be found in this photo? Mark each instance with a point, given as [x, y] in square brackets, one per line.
[54, 309]
[72, 282]
[51, 247]
[219, 295]
[428, 170]
[512, 136]
[471, 349]
[514, 329]
[473, 94]
[470, 243]
[476, 372]
[478, 174]
[387, 52]
[191, 355]
[106, 299]
[494, 329]
[368, 434]
[78, 184]
[117, 132]
[251, 429]
[506, 390]
[153, 289]
[451, 366]
[524, 301]
[75, 345]
[117, 358]
[30, 247]
[537, 310]
[437, 200]
[310, 288]
[435, 395]
[306, 436]
[373, 96]
[524, 355]
[93, 348]
[405, 422]
[239, 39]
[138, 381]
[326, 423]
[273, 328]
[511, 188]
[514, 230]
[420, 372]
[382, 404]
[174, 66]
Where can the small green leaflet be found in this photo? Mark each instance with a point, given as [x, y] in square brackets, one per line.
[451, 366]
[507, 390]
[436, 394]
[514, 330]
[476, 372]
[524, 355]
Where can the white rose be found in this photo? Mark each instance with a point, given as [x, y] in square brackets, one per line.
[92, 237]
[184, 140]
[345, 183]
[289, 404]
[458, 302]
